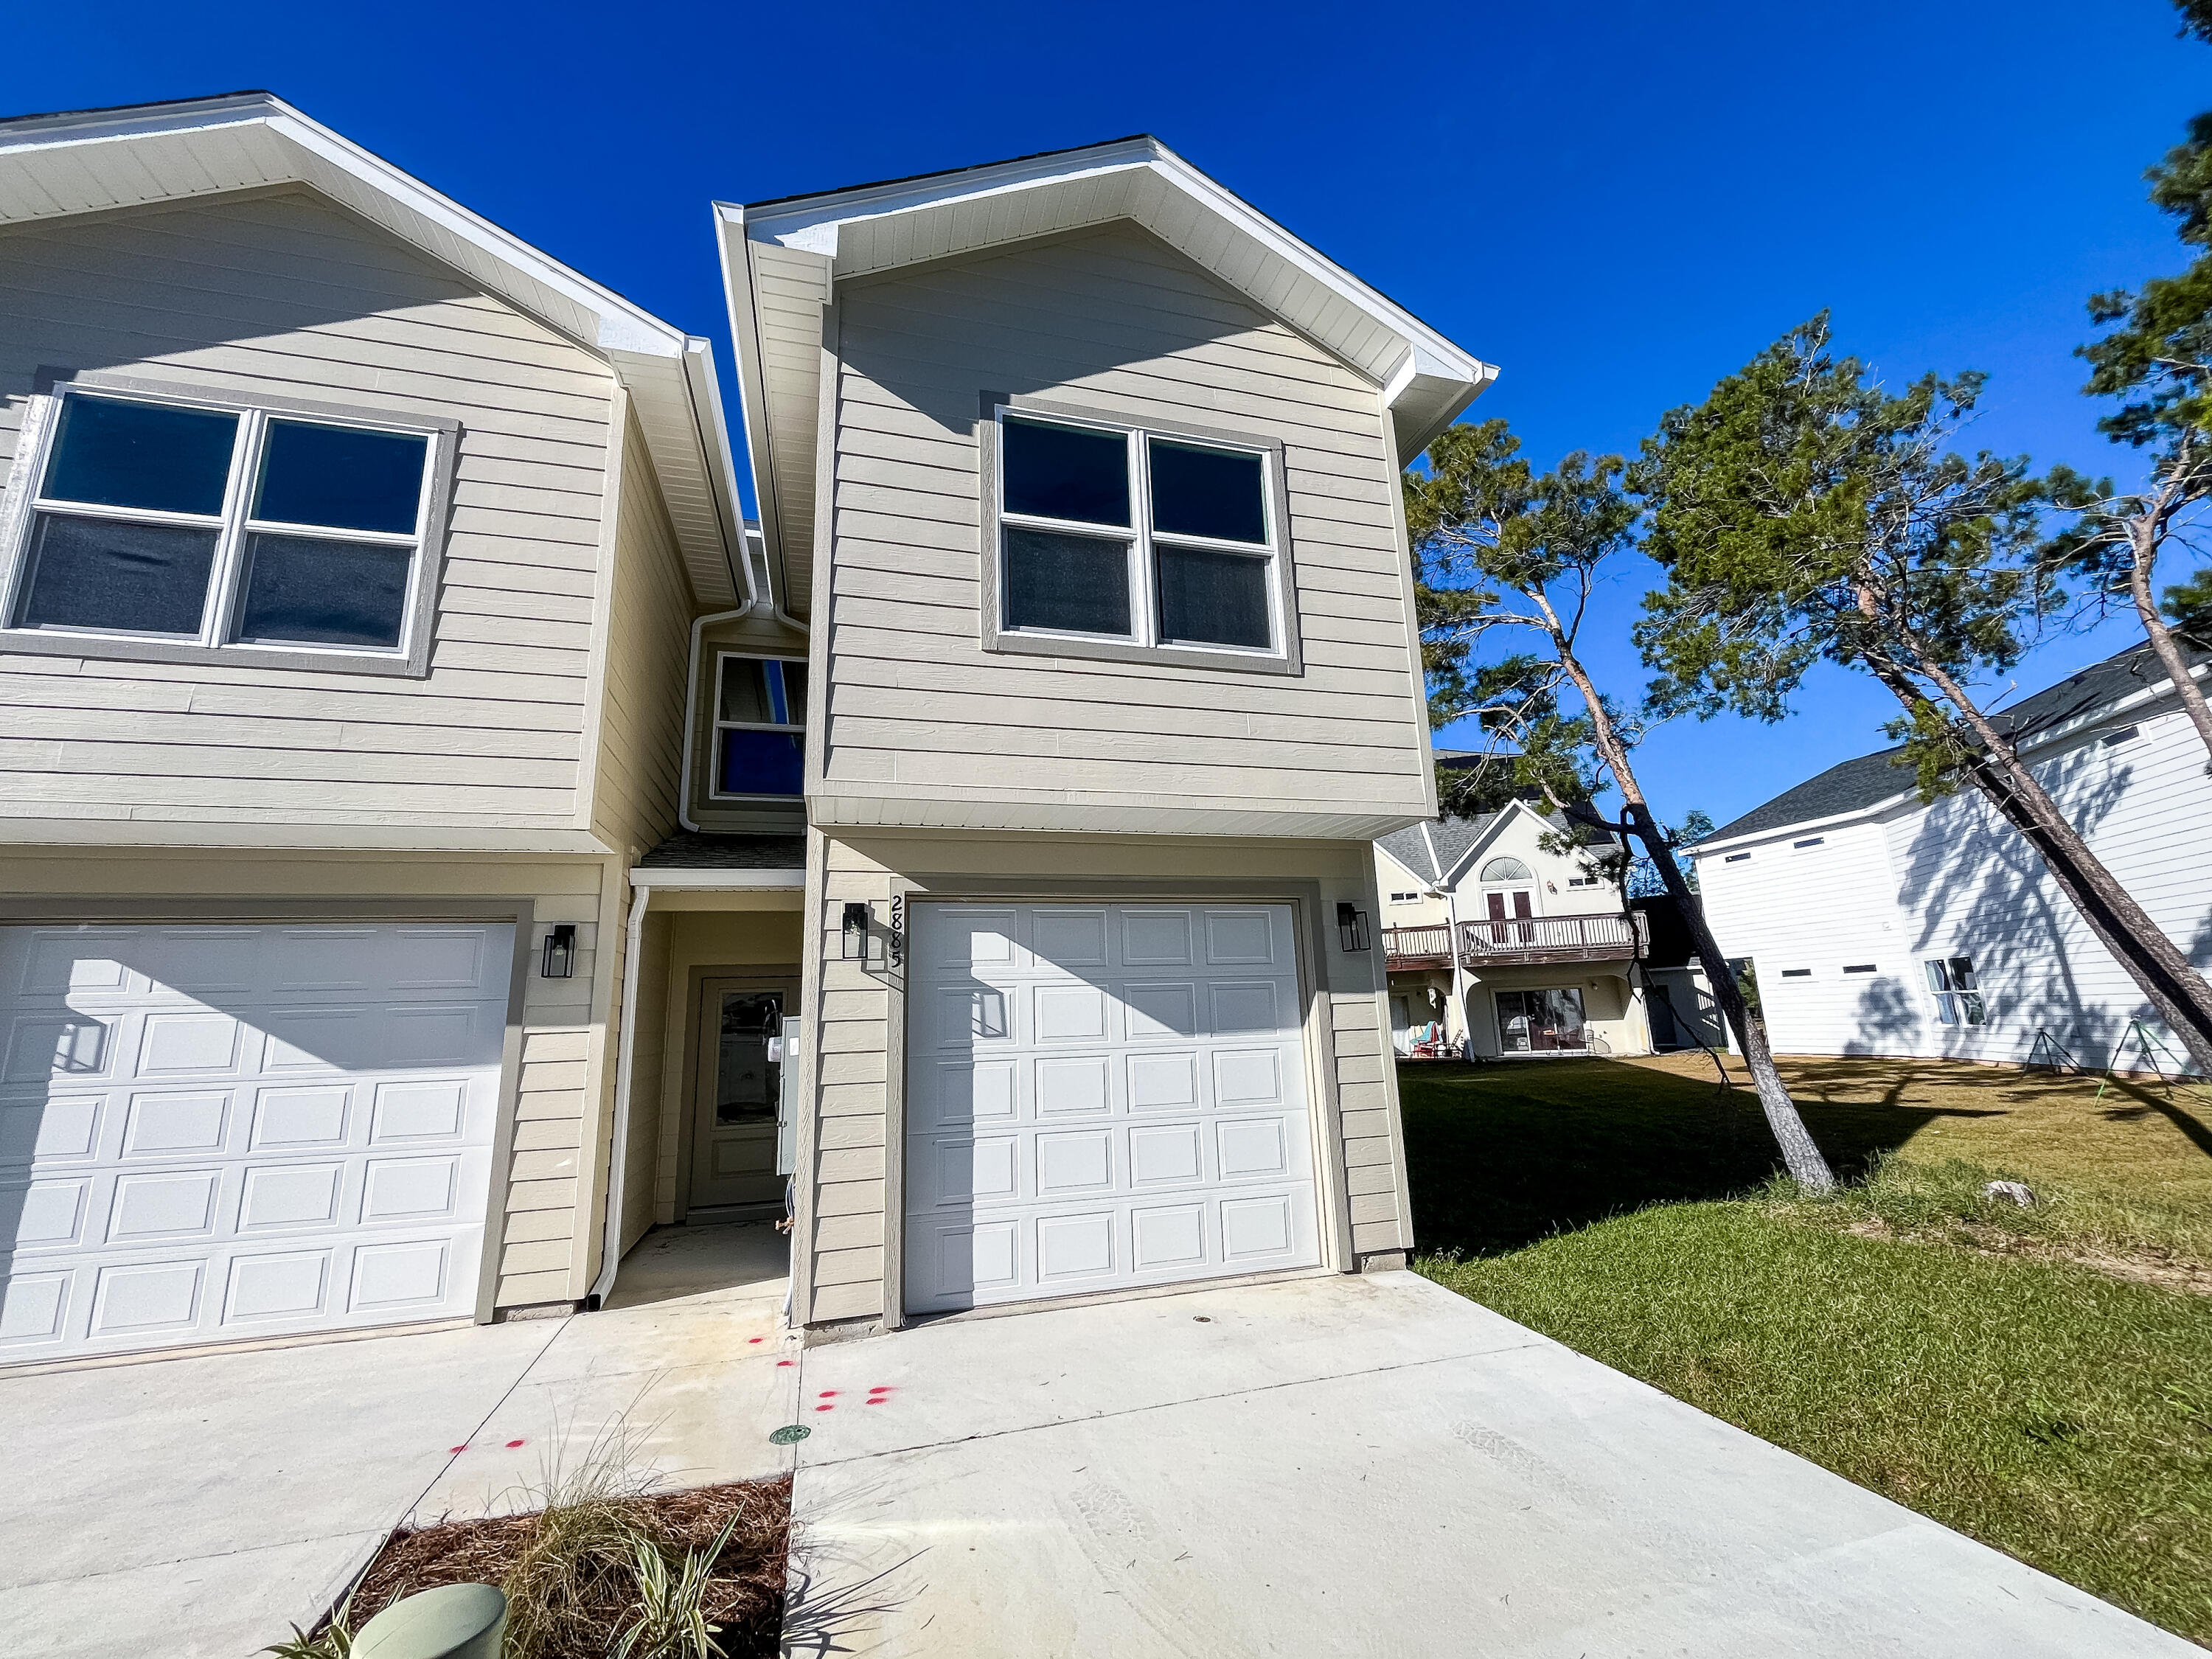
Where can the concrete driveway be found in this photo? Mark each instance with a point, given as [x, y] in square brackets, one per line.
[1350, 1465]
[192, 1508]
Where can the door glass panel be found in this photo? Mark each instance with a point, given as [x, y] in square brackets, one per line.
[1541, 1021]
[748, 1068]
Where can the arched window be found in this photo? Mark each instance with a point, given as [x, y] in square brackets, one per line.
[1505, 870]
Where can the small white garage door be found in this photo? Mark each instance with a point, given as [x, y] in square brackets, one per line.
[215, 1133]
[1100, 1097]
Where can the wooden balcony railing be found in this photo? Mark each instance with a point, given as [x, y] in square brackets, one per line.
[1617, 937]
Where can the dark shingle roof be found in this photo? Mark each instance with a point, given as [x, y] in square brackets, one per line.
[1453, 837]
[688, 850]
[1870, 779]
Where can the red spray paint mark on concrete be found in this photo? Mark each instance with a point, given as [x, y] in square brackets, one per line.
[781, 1364]
[825, 1408]
[511, 1444]
[456, 1451]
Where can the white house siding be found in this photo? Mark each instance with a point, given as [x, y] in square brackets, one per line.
[1957, 882]
[838, 1256]
[285, 295]
[1112, 320]
[1818, 908]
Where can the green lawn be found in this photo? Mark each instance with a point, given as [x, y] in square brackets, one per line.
[2040, 1380]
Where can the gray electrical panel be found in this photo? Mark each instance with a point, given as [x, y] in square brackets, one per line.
[786, 1102]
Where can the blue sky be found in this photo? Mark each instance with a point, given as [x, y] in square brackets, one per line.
[1617, 203]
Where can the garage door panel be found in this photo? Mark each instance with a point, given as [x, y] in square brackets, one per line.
[1146, 1092]
[245, 1163]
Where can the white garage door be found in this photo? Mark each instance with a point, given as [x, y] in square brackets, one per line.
[215, 1133]
[1100, 1097]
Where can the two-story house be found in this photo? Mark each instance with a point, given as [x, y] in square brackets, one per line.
[442, 842]
[1877, 923]
[1499, 943]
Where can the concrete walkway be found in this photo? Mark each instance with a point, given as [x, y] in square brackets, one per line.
[1350, 1465]
[193, 1508]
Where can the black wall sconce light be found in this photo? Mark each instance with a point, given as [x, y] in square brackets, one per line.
[559, 951]
[855, 932]
[1352, 927]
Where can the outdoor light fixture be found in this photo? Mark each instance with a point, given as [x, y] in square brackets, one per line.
[1352, 927]
[856, 931]
[559, 951]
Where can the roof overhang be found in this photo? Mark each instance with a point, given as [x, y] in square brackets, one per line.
[98, 161]
[782, 259]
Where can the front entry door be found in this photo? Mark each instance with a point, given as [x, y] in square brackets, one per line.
[740, 1026]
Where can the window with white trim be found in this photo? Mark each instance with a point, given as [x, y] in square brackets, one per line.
[1138, 537]
[1957, 992]
[198, 523]
[1405, 898]
[760, 727]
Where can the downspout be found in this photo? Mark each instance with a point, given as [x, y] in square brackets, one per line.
[691, 681]
[618, 1160]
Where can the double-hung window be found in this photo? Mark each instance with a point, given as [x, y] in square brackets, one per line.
[167, 522]
[1137, 541]
[760, 727]
[1958, 993]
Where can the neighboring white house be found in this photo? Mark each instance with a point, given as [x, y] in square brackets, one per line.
[1491, 937]
[443, 841]
[1878, 925]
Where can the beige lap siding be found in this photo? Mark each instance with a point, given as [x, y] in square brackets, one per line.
[1362, 1169]
[1113, 321]
[287, 296]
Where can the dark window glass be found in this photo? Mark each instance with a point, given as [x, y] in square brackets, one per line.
[300, 590]
[1078, 583]
[95, 573]
[119, 454]
[763, 763]
[763, 693]
[341, 476]
[1212, 598]
[1066, 472]
[1207, 492]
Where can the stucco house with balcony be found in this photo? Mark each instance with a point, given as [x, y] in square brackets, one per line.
[444, 840]
[1499, 945]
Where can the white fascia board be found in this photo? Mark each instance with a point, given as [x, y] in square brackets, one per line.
[622, 326]
[1432, 369]
[706, 394]
[716, 881]
[1784, 832]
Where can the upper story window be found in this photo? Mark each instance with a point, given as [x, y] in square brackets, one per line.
[193, 528]
[1405, 898]
[1138, 541]
[760, 726]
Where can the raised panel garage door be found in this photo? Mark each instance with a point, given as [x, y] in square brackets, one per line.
[215, 1133]
[1101, 1097]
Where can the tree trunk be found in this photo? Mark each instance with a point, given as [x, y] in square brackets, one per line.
[2155, 963]
[2142, 545]
[1800, 1155]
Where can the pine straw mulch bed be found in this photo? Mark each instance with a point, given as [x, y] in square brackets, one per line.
[571, 1588]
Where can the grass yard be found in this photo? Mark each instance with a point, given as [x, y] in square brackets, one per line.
[2040, 1379]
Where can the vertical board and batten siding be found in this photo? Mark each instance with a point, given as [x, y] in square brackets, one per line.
[1115, 321]
[846, 1212]
[1953, 880]
[285, 295]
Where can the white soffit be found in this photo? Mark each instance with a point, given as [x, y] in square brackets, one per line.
[794, 250]
[97, 161]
